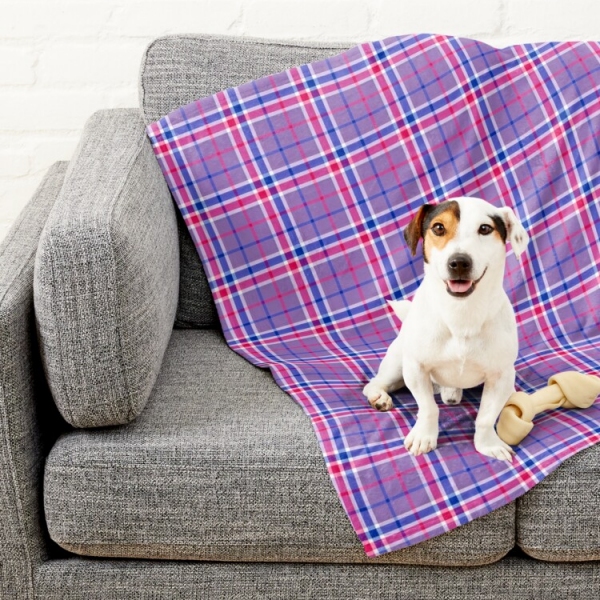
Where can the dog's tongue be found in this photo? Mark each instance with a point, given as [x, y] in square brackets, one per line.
[459, 286]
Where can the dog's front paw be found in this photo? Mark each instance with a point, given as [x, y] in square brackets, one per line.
[378, 398]
[422, 437]
[381, 401]
[488, 443]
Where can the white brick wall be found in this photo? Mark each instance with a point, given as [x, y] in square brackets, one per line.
[60, 60]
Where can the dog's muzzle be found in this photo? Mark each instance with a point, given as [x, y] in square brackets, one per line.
[460, 284]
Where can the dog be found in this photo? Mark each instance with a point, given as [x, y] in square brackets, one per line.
[459, 331]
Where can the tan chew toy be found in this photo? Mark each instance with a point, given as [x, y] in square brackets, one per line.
[569, 390]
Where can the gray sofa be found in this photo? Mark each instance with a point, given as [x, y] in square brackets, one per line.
[141, 458]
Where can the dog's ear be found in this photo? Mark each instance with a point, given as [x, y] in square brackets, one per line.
[414, 231]
[515, 232]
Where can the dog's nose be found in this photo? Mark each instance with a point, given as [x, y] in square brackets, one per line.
[460, 265]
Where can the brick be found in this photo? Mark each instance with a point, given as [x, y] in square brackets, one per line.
[4, 227]
[552, 20]
[151, 19]
[126, 96]
[13, 164]
[107, 63]
[334, 20]
[459, 17]
[17, 65]
[45, 18]
[49, 110]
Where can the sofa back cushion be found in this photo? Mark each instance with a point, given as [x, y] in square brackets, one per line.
[179, 69]
[107, 274]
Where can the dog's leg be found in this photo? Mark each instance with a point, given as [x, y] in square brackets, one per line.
[388, 378]
[495, 394]
[451, 396]
[423, 436]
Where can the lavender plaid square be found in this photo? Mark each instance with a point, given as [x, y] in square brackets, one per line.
[295, 189]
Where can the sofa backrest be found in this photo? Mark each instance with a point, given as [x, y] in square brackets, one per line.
[179, 69]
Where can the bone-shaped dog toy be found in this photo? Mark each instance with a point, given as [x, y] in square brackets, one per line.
[568, 389]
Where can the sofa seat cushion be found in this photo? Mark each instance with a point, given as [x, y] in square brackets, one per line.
[559, 519]
[221, 465]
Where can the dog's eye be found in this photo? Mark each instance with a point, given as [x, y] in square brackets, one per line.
[438, 229]
[486, 229]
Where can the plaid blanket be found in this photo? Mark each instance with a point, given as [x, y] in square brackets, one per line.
[296, 188]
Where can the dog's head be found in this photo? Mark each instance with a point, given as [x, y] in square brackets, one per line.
[464, 240]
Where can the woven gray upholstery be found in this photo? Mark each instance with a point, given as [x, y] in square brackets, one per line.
[221, 465]
[179, 69]
[107, 275]
[511, 578]
[24, 399]
[559, 519]
[196, 307]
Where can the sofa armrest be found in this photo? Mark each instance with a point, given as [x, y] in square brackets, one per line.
[25, 426]
[106, 279]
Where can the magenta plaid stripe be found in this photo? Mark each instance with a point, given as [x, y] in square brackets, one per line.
[295, 189]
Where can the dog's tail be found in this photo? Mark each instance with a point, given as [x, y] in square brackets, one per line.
[400, 307]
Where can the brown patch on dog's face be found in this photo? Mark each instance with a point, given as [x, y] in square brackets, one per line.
[499, 227]
[440, 226]
[414, 232]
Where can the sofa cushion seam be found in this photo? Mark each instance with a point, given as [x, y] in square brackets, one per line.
[117, 279]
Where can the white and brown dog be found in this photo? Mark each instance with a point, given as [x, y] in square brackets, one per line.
[460, 330]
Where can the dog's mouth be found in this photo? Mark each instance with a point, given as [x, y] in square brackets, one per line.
[461, 288]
